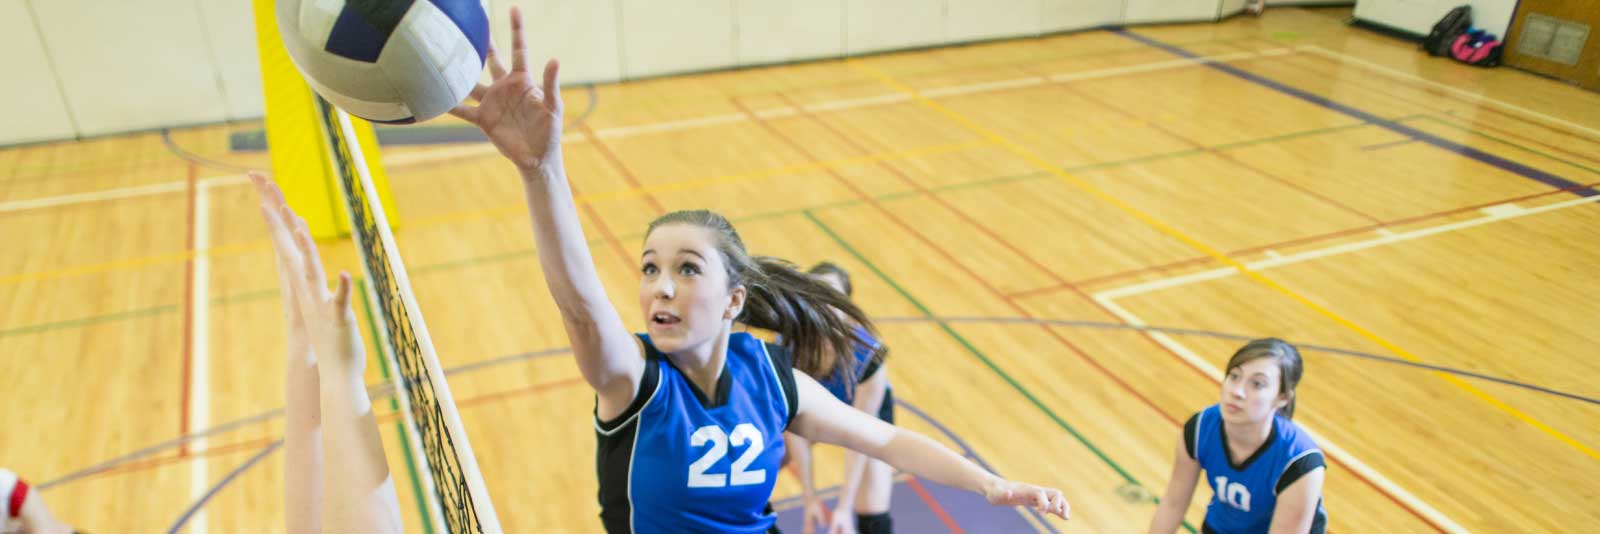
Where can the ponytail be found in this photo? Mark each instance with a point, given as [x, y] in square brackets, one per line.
[797, 306]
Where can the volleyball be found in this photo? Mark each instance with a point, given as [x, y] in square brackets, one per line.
[388, 61]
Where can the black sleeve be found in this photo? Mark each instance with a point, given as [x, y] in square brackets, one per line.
[873, 365]
[647, 388]
[784, 364]
[1299, 468]
[1189, 435]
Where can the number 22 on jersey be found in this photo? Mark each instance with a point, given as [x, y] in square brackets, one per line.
[744, 434]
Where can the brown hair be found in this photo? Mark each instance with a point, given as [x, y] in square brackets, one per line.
[782, 299]
[828, 267]
[1290, 365]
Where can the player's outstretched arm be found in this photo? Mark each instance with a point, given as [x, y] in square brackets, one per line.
[821, 417]
[523, 120]
[356, 487]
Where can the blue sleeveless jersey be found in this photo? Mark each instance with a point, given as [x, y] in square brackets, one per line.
[681, 460]
[1245, 494]
[864, 368]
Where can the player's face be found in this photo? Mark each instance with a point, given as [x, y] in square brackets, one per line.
[683, 288]
[1250, 391]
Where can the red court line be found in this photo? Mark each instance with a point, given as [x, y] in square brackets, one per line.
[188, 315]
[1012, 302]
[628, 263]
[1221, 154]
[1299, 241]
[933, 504]
[389, 417]
[611, 157]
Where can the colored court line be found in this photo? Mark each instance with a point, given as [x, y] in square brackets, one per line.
[451, 265]
[1154, 223]
[995, 237]
[135, 461]
[1477, 124]
[1445, 144]
[966, 450]
[944, 517]
[796, 146]
[194, 508]
[973, 350]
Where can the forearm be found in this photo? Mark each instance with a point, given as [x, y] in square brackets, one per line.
[922, 456]
[855, 466]
[357, 487]
[302, 442]
[1169, 515]
[799, 451]
[569, 268]
[590, 320]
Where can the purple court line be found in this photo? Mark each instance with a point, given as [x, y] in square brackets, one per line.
[1466, 151]
[1388, 144]
[193, 508]
[966, 450]
[1239, 337]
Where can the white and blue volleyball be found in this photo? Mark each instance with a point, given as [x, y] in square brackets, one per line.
[389, 61]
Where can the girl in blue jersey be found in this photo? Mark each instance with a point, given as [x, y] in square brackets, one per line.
[863, 503]
[1265, 472]
[690, 416]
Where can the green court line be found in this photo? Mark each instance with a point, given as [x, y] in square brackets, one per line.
[973, 350]
[251, 296]
[86, 321]
[399, 425]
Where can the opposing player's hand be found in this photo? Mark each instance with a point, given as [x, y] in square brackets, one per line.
[328, 320]
[815, 516]
[1002, 492]
[521, 118]
[844, 520]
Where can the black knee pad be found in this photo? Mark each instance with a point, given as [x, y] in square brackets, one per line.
[874, 523]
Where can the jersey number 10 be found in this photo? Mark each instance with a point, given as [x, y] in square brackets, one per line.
[742, 434]
[1234, 494]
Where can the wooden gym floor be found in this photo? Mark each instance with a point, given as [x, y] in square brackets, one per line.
[1007, 209]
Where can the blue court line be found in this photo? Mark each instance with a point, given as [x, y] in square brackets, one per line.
[1469, 152]
[193, 508]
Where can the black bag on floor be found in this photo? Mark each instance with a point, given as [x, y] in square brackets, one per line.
[1445, 32]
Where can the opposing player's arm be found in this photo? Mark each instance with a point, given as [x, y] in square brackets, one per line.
[870, 396]
[821, 417]
[523, 120]
[1180, 490]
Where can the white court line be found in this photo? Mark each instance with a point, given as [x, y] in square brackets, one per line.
[1453, 90]
[412, 158]
[1385, 237]
[1108, 299]
[95, 196]
[1328, 446]
[200, 353]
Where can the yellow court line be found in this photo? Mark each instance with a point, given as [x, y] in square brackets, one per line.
[1164, 228]
[510, 209]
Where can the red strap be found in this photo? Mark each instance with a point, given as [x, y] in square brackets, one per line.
[18, 495]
